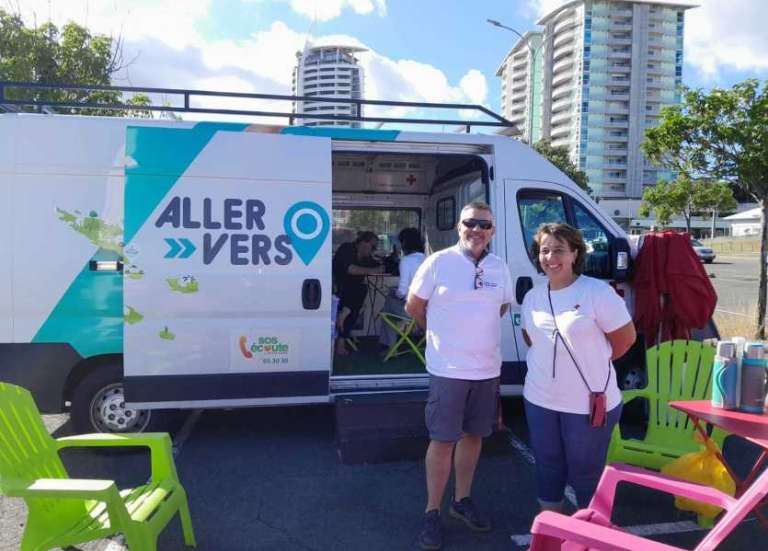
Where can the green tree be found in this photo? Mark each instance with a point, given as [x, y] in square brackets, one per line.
[559, 156]
[716, 198]
[687, 198]
[71, 55]
[722, 135]
[668, 199]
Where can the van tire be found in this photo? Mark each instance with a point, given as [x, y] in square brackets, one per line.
[98, 404]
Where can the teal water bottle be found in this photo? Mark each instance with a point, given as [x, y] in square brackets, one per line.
[725, 377]
[753, 378]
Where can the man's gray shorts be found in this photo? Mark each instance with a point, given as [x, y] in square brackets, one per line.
[457, 406]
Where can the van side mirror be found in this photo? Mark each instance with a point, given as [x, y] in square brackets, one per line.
[621, 259]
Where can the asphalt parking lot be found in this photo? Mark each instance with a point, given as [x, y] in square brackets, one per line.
[735, 279]
[271, 479]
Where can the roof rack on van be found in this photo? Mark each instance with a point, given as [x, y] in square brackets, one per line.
[15, 94]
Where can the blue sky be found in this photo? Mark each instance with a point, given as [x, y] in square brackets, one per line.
[419, 50]
[454, 39]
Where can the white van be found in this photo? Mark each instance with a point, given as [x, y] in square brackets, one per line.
[155, 264]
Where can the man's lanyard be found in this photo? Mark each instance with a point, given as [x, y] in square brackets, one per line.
[559, 336]
[468, 253]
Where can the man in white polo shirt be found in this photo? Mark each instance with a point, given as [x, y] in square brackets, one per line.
[459, 295]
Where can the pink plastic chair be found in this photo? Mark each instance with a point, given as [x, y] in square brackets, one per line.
[591, 528]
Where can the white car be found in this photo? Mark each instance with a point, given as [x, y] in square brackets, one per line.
[705, 253]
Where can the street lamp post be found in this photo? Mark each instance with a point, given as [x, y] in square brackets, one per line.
[533, 51]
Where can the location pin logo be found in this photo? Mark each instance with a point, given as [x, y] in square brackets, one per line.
[307, 224]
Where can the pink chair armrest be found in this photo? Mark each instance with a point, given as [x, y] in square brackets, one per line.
[594, 536]
[617, 472]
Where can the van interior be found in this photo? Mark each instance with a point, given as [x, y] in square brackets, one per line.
[385, 193]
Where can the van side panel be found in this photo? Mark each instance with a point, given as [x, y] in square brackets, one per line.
[67, 197]
[7, 147]
[59, 214]
[42, 369]
[228, 261]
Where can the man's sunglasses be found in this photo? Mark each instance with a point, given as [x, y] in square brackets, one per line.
[472, 223]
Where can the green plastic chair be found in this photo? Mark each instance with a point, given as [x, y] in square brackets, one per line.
[64, 512]
[403, 328]
[676, 370]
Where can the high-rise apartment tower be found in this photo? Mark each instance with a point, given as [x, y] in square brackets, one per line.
[328, 71]
[593, 79]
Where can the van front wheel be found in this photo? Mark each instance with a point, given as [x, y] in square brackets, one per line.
[98, 404]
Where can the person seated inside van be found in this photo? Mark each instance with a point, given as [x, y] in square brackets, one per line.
[412, 246]
[351, 263]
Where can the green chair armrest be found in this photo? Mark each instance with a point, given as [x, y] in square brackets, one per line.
[159, 444]
[105, 491]
[103, 439]
[629, 395]
[73, 488]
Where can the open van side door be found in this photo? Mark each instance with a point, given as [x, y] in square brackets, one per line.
[227, 275]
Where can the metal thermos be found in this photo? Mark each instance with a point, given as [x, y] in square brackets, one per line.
[753, 378]
[725, 377]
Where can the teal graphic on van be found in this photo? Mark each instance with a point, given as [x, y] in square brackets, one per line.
[307, 224]
[181, 247]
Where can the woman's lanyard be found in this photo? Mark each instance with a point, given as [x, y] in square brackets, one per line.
[559, 336]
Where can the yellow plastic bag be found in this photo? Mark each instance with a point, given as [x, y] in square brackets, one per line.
[702, 467]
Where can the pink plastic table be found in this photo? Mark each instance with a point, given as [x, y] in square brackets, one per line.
[751, 426]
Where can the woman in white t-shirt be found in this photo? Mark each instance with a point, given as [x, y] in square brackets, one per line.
[575, 325]
[412, 246]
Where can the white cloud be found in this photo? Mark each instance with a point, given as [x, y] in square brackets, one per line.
[539, 8]
[413, 81]
[168, 51]
[474, 86]
[334, 39]
[270, 54]
[727, 34]
[162, 19]
[325, 10]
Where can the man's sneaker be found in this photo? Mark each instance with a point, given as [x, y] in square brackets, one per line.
[466, 511]
[431, 536]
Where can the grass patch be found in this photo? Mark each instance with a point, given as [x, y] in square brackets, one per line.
[734, 245]
[737, 322]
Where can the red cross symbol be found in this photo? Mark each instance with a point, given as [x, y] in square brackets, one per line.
[410, 179]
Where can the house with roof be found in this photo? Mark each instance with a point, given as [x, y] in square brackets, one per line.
[745, 223]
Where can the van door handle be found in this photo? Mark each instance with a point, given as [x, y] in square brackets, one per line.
[311, 294]
[523, 285]
[105, 266]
